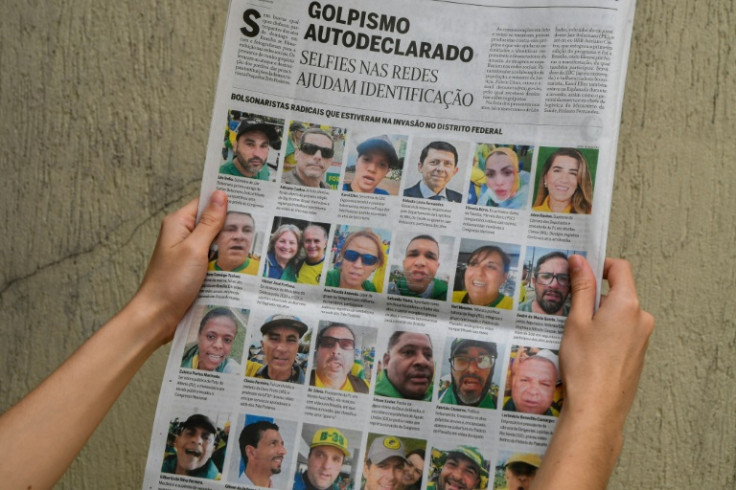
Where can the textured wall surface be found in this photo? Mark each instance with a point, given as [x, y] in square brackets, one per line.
[105, 111]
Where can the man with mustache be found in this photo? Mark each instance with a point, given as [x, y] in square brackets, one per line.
[313, 159]
[421, 261]
[280, 345]
[471, 368]
[551, 281]
[464, 469]
[408, 367]
[250, 150]
[533, 384]
[334, 360]
[234, 243]
[194, 444]
[438, 165]
[263, 451]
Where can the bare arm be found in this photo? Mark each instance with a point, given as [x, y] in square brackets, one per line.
[601, 358]
[56, 419]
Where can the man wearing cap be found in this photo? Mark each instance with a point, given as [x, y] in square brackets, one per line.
[327, 452]
[437, 166]
[376, 157]
[551, 281]
[520, 470]
[471, 369]
[234, 243]
[314, 241]
[533, 384]
[334, 360]
[313, 158]
[408, 367]
[384, 464]
[421, 261]
[463, 469]
[263, 451]
[250, 150]
[280, 344]
[194, 444]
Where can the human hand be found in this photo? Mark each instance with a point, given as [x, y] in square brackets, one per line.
[178, 264]
[602, 353]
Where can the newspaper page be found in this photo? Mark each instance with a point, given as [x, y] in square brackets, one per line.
[386, 299]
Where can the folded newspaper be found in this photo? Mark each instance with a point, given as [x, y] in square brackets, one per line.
[386, 299]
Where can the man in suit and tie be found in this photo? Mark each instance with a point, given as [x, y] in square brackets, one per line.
[438, 165]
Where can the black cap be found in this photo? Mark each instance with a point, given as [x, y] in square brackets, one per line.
[288, 321]
[248, 125]
[381, 143]
[201, 421]
[458, 344]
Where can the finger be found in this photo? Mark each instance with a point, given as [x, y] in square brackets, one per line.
[211, 221]
[582, 288]
[620, 277]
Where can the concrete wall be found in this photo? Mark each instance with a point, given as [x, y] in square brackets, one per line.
[105, 111]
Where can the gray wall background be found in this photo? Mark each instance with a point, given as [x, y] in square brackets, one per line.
[105, 112]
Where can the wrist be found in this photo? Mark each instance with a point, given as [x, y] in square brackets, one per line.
[154, 322]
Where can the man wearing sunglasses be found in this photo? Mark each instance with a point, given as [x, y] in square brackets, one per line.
[471, 368]
[551, 281]
[334, 360]
[313, 158]
[250, 151]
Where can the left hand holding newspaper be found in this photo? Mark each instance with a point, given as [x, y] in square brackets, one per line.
[58, 417]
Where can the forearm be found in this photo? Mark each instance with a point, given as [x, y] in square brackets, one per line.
[65, 409]
[582, 453]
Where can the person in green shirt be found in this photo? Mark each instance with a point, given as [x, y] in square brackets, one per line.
[421, 261]
[250, 150]
[408, 367]
[471, 368]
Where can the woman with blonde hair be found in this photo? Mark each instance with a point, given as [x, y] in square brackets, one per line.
[283, 253]
[565, 186]
[360, 255]
[505, 185]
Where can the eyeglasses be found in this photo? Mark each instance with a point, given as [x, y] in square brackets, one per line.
[546, 278]
[461, 363]
[353, 256]
[311, 149]
[329, 342]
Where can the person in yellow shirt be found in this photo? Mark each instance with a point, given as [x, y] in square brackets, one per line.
[334, 360]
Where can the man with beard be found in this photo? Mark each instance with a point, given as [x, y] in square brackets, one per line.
[421, 261]
[520, 470]
[194, 444]
[408, 367]
[471, 368]
[250, 151]
[533, 384]
[280, 345]
[313, 159]
[334, 360]
[437, 165]
[327, 452]
[463, 469]
[551, 281]
[263, 451]
[234, 243]
[315, 243]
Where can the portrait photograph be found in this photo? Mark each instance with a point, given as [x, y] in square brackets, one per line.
[374, 164]
[215, 340]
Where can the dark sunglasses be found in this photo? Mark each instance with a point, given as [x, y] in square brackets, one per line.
[311, 149]
[353, 256]
[329, 342]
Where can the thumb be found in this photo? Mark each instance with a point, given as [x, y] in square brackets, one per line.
[212, 220]
[583, 288]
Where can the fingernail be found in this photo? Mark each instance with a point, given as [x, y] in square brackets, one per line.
[575, 262]
[218, 198]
